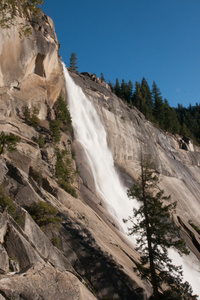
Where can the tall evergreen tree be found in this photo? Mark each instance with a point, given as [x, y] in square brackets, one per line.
[156, 231]
[124, 90]
[168, 121]
[158, 107]
[73, 62]
[130, 91]
[146, 92]
[117, 88]
[111, 85]
[102, 77]
[137, 98]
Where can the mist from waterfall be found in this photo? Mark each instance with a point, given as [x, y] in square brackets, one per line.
[90, 132]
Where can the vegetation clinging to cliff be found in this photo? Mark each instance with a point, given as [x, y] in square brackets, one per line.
[10, 9]
[64, 171]
[62, 121]
[8, 141]
[43, 213]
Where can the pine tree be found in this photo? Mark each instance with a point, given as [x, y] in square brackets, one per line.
[73, 63]
[130, 91]
[156, 231]
[111, 85]
[117, 88]
[137, 96]
[8, 141]
[102, 77]
[124, 90]
[158, 109]
[146, 92]
[168, 121]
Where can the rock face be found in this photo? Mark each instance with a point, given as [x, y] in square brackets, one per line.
[84, 256]
[31, 71]
[175, 158]
[73, 259]
[125, 125]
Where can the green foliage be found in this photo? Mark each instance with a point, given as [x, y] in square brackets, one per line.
[117, 88]
[64, 172]
[8, 142]
[158, 107]
[63, 167]
[189, 119]
[180, 120]
[43, 213]
[73, 63]
[7, 202]
[55, 126]
[67, 187]
[102, 77]
[20, 218]
[183, 292]
[63, 119]
[73, 153]
[62, 113]
[10, 9]
[156, 231]
[111, 86]
[56, 242]
[31, 117]
[41, 141]
[195, 227]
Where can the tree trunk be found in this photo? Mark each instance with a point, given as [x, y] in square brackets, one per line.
[149, 243]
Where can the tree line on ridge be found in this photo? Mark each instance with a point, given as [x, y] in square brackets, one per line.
[149, 101]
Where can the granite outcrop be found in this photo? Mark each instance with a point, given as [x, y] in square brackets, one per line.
[83, 256]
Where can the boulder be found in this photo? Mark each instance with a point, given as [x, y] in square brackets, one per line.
[42, 281]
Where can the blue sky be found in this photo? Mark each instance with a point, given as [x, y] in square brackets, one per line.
[129, 39]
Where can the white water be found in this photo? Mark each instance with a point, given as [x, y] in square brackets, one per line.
[90, 132]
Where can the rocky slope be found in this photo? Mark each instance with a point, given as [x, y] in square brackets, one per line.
[72, 258]
[176, 160]
[83, 255]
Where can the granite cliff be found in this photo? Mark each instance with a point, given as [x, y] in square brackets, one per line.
[84, 256]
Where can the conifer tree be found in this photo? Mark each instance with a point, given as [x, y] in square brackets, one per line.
[130, 91]
[124, 90]
[137, 96]
[73, 63]
[158, 108]
[102, 77]
[146, 93]
[168, 121]
[111, 85]
[8, 141]
[117, 88]
[156, 231]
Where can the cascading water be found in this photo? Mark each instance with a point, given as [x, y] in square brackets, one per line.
[90, 132]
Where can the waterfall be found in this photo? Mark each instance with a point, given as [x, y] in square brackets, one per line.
[90, 132]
